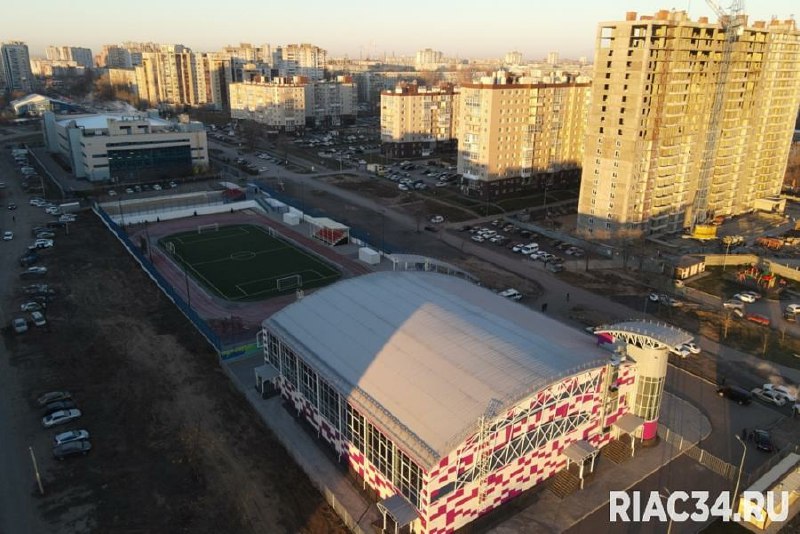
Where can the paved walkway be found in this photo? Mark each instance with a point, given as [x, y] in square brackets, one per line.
[307, 452]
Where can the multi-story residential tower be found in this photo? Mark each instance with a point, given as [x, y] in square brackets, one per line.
[15, 67]
[416, 121]
[513, 58]
[290, 103]
[515, 136]
[302, 60]
[651, 114]
[429, 59]
[81, 56]
[280, 103]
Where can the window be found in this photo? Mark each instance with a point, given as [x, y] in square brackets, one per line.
[273, 350]
[308, 383]
[409, 479]
[380, 451]
[289, 365]
[329, 403]
[355, 428]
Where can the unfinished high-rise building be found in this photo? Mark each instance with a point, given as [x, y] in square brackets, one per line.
[688, 121]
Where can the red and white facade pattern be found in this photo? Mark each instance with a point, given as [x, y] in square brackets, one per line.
[510, 453]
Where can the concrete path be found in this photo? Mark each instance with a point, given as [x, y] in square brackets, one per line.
[329, 478]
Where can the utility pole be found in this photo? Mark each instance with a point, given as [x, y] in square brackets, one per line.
[36, 471]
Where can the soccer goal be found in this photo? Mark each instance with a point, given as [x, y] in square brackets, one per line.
[204, 228]
[286, 283]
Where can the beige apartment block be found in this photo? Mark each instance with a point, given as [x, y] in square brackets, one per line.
[416, 121]
[656, 158]
[280, 104]
[518, 136]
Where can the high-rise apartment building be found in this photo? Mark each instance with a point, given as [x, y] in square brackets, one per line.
[552, 58]
[658, 157]
[81, 56]
[417, 121]
[515, 136]
[15, 67]
[290, 103]
[280, 103]
[513, 58]
[429, 59]
[301, 60]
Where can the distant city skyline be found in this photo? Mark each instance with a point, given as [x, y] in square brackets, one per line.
[356, 28]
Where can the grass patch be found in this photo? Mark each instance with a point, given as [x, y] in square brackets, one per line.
[245, 263]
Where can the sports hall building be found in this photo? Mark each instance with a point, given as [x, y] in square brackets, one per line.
[448, 400]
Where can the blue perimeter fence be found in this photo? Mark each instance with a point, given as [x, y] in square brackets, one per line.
[212, 337]
[374, 241]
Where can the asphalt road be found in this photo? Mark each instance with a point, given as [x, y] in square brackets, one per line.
[18, 491]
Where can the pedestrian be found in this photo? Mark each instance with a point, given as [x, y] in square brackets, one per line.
[567, 296]
[744, 434]
[544, 307]
[14, 219]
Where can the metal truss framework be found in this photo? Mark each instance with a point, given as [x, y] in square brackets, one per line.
[489, 460]
[646, 334]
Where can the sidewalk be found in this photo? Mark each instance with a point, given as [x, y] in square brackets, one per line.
[329, 478]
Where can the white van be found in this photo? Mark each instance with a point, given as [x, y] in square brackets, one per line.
[512, 294]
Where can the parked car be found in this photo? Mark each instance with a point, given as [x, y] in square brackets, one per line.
[654, 297]
[478, 238]
[38, 318]
[30, 306]
[691, 347]
[12, 206]
[70, 435]
[512, 294]
[52, 396]
[529, 249]
[60, 417]
[41, 243]
[37, 288]
[781, 391]
[680, 351]
[57, 406]
[745, 297]
[8, 235]
[763, 440]
[28, 259]
[792, 308]
[762, 320]
[733, 305]
[768, 396]
[753, 294]
[72, 448]
[20, 325]
[736, 394]
[33, 272]
[437, 219]
[45, 234]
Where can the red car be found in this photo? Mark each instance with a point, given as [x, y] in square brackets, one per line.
[758, 319]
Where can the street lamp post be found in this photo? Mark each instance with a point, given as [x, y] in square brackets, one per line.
[383, 230]
[739, 475]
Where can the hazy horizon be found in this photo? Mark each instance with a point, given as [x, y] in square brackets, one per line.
[355, 29]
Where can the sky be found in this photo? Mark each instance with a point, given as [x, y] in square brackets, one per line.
[356, 28]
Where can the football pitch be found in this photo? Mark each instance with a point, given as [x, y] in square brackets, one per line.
[245, 263]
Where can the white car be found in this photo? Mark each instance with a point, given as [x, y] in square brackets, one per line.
[768, 396]
[745, 297]
[60, 417]
[437, 219]
[156, 187]
[681, 351]
[8, 235]
[30, 306]
[38, 318]
[654, 297]
[733, 305]
[43, 243]
[753, 294]
[691, 347]
[781, 391]
[478, 238]
[52, 210]
[518, 247]
[512, 294]
[792, 308]
[529, 249]
[70, 435]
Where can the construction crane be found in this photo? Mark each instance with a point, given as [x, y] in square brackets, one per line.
[731, 19]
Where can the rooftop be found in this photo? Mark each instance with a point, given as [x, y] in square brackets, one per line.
[425, 354]
[100, 121]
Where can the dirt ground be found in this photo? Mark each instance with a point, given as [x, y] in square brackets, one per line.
[176, 447]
